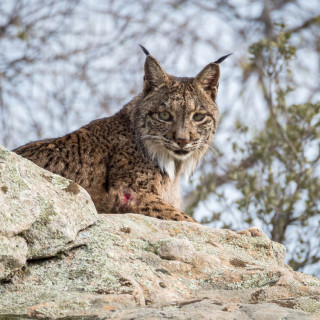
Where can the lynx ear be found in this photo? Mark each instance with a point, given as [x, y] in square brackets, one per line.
[154, 75]
[208, 79]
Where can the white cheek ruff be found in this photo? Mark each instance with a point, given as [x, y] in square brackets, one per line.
[166, 159]
[167, 165]
[189, 162]
[162, 156]
[190, 165]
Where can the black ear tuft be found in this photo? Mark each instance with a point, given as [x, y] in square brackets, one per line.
[145, 50]
[223, 58]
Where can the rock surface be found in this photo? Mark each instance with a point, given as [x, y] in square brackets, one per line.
[136, 267]
[56, 266]
[40, 212]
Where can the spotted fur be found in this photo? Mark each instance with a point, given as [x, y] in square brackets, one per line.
[131, 162]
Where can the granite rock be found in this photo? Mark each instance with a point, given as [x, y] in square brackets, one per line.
[40, 213]
[136, 267]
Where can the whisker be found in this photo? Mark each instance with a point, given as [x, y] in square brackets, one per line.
[156, 138]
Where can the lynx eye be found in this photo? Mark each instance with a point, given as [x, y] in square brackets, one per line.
[165, 116]
[198, 116]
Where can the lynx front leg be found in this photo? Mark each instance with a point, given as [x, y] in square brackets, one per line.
[128, 201]
[154, 206]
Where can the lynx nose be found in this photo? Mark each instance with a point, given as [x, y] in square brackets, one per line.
[182, 142]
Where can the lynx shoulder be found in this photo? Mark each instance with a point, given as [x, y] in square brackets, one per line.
[131, 162]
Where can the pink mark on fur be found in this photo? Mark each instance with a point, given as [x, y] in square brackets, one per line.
[126, 197]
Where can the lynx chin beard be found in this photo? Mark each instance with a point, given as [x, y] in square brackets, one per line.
[167, 159]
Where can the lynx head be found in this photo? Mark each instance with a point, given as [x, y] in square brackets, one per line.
[176, 118]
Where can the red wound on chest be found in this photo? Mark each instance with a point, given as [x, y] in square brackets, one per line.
[126, 197]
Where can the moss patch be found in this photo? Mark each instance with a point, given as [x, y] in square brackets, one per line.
[4, 189]
[65, 184]
[309, 304]
[4, 153]
[45, 177]
[47, 211]
[16, 180]
[60, 182]
[238, 263]
[72, 188]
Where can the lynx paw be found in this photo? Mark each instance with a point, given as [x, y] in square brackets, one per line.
[182, 217]
[170, 215]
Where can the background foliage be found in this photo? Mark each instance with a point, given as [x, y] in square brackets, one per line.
[65, 63]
